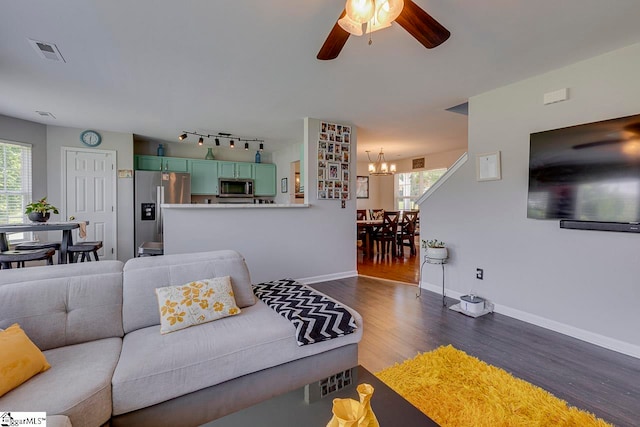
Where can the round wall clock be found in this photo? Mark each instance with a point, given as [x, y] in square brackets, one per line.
[90, 138]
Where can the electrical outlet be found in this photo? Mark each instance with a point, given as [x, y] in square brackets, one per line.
[479, 273]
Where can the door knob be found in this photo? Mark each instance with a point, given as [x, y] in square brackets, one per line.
[71, 218]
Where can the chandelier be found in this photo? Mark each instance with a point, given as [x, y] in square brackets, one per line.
[380, 166]
[376, 14]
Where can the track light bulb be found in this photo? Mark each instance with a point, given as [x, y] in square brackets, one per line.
[217, 142]
[232, 144]
[182, 137]
[246, 146]
[201, 141]
[261, 146]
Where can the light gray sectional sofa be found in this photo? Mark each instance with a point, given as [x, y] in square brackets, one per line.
[98, 325]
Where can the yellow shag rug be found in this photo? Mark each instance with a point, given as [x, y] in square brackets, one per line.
[457, 390]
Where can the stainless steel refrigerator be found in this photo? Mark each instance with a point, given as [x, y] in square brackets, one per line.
[153, 189]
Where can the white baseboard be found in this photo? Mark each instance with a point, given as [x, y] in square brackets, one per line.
[327, 277]
[572, 331]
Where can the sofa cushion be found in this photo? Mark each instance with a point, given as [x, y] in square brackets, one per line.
[194, 303]
[20, 359]
[78, 384]
[143, 275]
[58, 305]
[154, 368]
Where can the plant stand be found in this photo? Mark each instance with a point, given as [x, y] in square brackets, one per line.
[440, 261]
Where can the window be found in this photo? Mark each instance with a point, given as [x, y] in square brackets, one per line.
[15, 184]
[411, 185]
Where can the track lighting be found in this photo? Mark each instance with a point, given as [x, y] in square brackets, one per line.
[222, 135]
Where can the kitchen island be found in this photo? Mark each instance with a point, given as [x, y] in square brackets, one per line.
[307, 242]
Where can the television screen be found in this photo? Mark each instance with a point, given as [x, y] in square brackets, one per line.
[588, 172]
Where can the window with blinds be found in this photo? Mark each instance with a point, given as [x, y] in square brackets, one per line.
[15, 184]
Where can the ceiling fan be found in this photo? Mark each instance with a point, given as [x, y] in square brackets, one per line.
[378, 14]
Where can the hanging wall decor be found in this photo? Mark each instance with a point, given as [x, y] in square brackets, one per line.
[334, 151]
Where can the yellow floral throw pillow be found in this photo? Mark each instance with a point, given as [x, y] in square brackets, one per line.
[196, 302]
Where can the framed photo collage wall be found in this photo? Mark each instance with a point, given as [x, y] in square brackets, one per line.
[334, 154]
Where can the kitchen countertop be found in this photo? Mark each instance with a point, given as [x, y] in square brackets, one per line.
[234, 206]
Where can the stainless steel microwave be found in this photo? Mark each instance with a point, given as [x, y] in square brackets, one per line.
[233, 187]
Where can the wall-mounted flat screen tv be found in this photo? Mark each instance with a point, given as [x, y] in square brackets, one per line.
[588, 172]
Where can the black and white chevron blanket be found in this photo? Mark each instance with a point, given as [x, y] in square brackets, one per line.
[315, 317]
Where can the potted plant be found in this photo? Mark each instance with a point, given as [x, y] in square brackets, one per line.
[40, 211]
[436, 249]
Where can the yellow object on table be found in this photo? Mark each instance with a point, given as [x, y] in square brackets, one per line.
[351, 413]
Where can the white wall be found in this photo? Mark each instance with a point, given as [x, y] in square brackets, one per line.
[16, 130]
[313, 244]
[582, 283]
[122, 143]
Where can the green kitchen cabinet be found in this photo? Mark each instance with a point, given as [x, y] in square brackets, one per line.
[204, 176]
[264, 175]
[155, 163]
[235, 170]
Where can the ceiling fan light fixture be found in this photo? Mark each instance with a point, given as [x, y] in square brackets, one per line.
[360, 11]
[387, 11]
[350, 26]
[375, 25]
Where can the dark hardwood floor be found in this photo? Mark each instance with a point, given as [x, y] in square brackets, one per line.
[397, 326]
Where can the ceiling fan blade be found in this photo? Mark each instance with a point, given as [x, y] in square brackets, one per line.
[334, 43]
[429, 32]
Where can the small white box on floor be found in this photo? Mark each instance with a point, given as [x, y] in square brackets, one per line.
[472, 304]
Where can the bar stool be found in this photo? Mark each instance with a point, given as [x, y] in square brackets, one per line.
[84, 248]
[26, 246]
[7, 257]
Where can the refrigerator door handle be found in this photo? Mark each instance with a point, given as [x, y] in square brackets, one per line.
[159, 201]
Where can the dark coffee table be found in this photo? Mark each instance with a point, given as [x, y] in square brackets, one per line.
[291, 409]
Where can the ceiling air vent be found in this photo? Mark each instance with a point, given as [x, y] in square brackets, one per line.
[47, 50]
[460, 108]
[46, 114]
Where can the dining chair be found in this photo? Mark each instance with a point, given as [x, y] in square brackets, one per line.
[84, 248]
[361, 215]
[25, 246]
[20, 257]
[384, 236]
[407, 232]
[376, 214]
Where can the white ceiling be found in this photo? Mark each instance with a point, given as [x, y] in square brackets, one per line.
[157, 67]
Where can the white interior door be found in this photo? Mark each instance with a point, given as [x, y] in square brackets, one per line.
[91, 196]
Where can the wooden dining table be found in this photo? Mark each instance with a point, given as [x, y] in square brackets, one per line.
[368, 225]
[65, 227]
